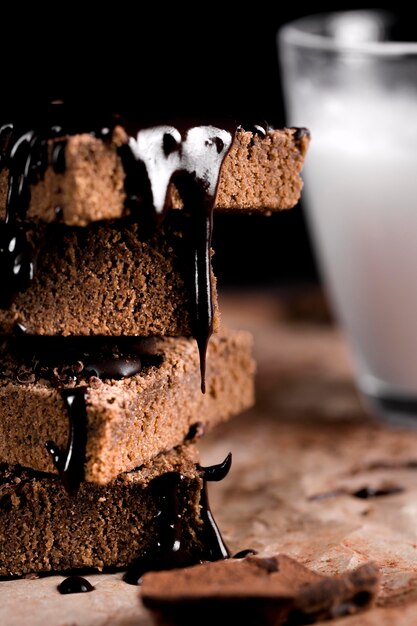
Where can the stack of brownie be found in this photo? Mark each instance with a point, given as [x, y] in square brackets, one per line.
[113, 360]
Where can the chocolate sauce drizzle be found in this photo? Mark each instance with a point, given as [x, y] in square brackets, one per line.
[70, 462]
[75, 584]
[69, 360]
[214, 548]
[168, 551]
[242, 554]
[191, 159]
[156, 156]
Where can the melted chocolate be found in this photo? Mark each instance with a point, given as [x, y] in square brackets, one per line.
[216, 473]
[244, 553]
[66, 359]
[190, 157]
[115, 366]
[214, 547]
[58, 157]
[70, 462]
[202, 288]
[258, 127]
[168, 551]
[75, 584]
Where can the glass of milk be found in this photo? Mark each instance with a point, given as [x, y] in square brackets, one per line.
[356, 90]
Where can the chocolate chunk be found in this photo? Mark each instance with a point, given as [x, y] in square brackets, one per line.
[262, 591]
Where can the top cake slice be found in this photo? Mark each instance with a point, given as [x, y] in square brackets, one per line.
[82, 172]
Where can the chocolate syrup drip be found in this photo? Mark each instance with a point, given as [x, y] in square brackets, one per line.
[70, 462]
[214, 548]
[216, 473]
[17, 260]
[58, 157]
[258, 127]
[199, 230]
[75, 584]
[244, 553]
[168, 551]
[191, 158]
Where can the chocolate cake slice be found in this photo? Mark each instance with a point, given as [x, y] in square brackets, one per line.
[108, 279]
[43, 529]
[106, 408]
[85, 170]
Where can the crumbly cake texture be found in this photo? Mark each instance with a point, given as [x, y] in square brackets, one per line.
[109, 279]
[43, 529]
[262, 591]
[131, 420]
[258, 174]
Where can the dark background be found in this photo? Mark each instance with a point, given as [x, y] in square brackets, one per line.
[207, 59]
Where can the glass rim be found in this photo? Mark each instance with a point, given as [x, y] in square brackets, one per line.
[297, 33]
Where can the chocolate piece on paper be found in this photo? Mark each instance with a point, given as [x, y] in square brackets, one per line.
[262, 591]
